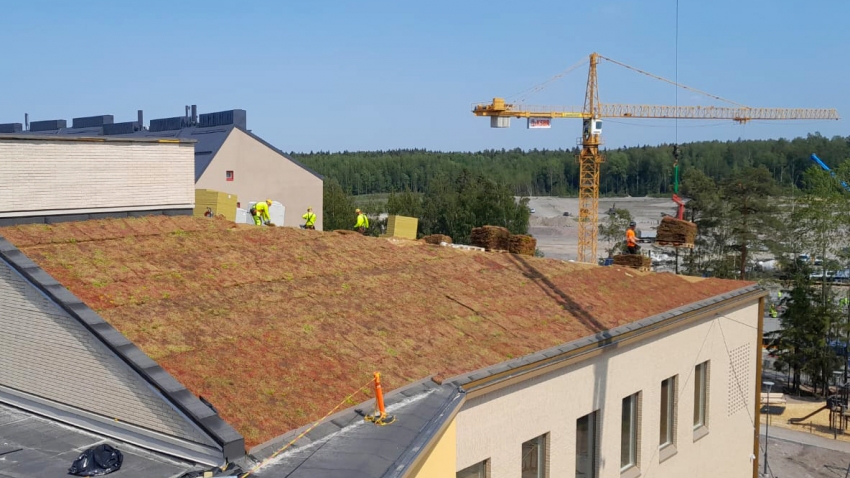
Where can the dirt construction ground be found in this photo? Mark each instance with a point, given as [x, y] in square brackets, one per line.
[557, 235]
[794, 460]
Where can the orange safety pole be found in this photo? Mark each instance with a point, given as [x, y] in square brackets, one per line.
[379, 394]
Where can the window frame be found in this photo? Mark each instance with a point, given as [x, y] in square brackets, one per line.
[592, 444]
[229, 175]
[542, 442]
[667, 434]
[483, 469]
[701, 397]
[633, 459]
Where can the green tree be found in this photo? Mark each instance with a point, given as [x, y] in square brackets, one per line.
[635, 171]
[705, 209]
[750, 217]
[613, 229]
[800, 331]
[406, 203]
[338, 207]
[454, 206]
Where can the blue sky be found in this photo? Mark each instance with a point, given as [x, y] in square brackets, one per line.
[365, 75]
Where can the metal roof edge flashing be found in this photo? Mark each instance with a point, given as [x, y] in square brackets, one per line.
[424, 440]
[231, 443]
[514, 368]
[93, 139]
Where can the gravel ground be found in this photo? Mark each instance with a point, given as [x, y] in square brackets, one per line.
[793, 460]
[557, 235]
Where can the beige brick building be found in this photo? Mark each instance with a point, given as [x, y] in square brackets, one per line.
[50, 178]
[225, 156]
[670, 398]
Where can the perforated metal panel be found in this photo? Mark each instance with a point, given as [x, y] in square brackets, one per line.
[738, 386]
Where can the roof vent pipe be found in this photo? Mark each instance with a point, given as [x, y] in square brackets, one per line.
[26, 121]
[186, 114]
[194, 115]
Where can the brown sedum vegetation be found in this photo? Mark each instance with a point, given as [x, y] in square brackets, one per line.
[276, 325]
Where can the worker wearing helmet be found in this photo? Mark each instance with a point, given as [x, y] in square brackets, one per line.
[631, 240]
[309, 219]
[362, 222]
[260, 212]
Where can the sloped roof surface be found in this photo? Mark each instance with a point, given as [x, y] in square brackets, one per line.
[274, 326]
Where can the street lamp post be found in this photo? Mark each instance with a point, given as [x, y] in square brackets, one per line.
[769, 386]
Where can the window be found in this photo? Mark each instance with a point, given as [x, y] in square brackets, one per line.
[478, 470]
[586, 446]
[667, 432]
[228, 175]
[629, 432]
[534, 458]
[700, 395]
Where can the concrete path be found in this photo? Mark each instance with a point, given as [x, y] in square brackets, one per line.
[804, 438]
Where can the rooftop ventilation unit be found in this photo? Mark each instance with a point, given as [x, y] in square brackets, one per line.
[121, 128]
[92, 121]
[11, 128]
[223, 118]
[48, 125]
[169, 124]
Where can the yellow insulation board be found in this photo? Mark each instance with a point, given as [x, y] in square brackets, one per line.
[209, 203]
[401, 226]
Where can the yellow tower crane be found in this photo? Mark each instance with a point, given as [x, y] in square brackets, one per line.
[592, 113]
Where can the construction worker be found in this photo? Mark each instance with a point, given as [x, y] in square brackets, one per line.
[362, 222]
[260, 212]
[631, 240]
[773, 312]
[309, 219]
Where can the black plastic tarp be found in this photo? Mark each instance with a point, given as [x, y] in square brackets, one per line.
[97, 460]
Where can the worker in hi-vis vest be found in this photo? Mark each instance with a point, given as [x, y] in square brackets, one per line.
[631, 240]
[362, 222]
[309, 219]
[260, 212]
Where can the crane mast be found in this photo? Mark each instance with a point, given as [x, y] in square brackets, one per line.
[589, 159]
[589, 164]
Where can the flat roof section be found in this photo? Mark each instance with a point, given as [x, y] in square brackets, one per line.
[34, 447]
[346, 446]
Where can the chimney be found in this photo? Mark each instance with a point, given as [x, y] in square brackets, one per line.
[26, 121]
[141, 120]
[194, 115]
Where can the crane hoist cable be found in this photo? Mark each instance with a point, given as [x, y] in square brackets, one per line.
[676, 142]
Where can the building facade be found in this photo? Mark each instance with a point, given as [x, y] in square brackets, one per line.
[674, 397]
[253, 170]
[228, 157]
[52, 178]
